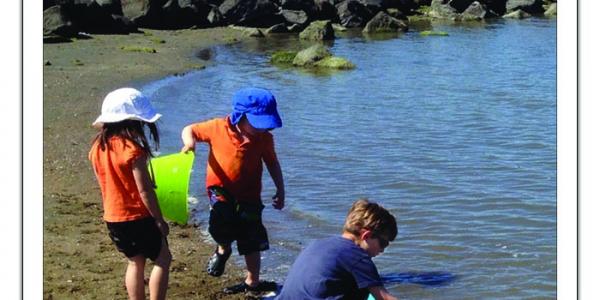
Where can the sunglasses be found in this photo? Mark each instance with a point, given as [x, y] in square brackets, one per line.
[382, 242]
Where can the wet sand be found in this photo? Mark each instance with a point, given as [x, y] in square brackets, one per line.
[79, 260]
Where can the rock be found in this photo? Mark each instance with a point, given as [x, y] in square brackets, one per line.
[475, 12]
[294, 28]
[112, 7]
[529, 6]
[295, 17]
[279, 28]
[252, 13]
[311, 55]
[459, 5]
[325, 10]
[441, 10]
[353, 14]
[283, 57]
[334, 62]
[395, 13]
[308, 6]
[494, 7]
[551, 10]
[249, 31]
[317, 31]
[57, 23]
[97, 17]
[338, 27]
[518, 14]
[374, 5]
[215, 17]
[382, 22]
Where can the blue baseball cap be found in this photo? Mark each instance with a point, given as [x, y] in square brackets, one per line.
[259, 106]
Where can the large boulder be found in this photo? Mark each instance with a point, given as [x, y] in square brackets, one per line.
[529, 6]
[253, 13]
[325, 10]
[442, 10]
[57, 23]
[295, 17]
[382, 22]
[551, 10]
[309, 56]
[494, 7]
[307, 6]
[460, 5]
[474, 12]
[353, 14]
[173, 14]
[318, 31]
[104, 16]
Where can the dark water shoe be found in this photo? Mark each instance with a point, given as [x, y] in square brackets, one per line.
[263, 286]
[216, 263]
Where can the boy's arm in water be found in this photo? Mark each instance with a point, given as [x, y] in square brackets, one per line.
[275, 172]
[146, 189]
[189, 142]
[380, 293]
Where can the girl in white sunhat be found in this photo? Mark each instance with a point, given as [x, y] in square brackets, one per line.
[120, 154]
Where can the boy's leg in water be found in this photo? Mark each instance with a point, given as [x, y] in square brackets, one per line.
[159, 278]
[253, 268]
[134, 277]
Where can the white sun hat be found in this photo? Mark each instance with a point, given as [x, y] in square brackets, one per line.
[126, 104]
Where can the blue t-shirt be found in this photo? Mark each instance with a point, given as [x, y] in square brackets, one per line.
[331, 268]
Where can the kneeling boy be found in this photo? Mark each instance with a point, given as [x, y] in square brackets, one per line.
[340, 267]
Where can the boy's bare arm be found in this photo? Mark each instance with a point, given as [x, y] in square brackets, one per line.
[144, 185]
[189, 142]
[275, 171]
[380, 293]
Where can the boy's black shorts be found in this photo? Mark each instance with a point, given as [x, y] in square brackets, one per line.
[136, 237]
[226, 226]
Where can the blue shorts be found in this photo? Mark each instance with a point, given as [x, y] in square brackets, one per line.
[138, 237]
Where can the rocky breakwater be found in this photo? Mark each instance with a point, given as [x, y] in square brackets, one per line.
[66, 19]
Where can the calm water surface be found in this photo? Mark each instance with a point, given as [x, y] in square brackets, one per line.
[455, 135]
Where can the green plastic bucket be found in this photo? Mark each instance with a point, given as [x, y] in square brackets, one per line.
[172, 178]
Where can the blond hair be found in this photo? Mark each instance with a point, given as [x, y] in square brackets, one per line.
[370, 216]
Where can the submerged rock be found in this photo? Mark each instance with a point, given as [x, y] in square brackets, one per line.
[283, 57]
[316, 56]
[334, 62]
[433, 33]
[311, 55]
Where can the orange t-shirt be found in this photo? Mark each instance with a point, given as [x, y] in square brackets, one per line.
[114, 170]
[233, 164]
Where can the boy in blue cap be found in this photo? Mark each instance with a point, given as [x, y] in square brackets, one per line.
[238, 145]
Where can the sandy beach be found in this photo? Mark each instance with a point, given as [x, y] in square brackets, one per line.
[79, 260]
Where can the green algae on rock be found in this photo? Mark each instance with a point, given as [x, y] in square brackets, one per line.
[335, 62]
[433, 33]
[283, 57]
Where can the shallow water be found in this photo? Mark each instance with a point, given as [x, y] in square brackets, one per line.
[455, 135]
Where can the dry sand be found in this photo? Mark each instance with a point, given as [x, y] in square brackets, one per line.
[80, 262]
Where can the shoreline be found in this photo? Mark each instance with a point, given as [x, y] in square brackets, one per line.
[79, 260]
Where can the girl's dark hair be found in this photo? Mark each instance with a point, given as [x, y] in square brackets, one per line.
[132, 130]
